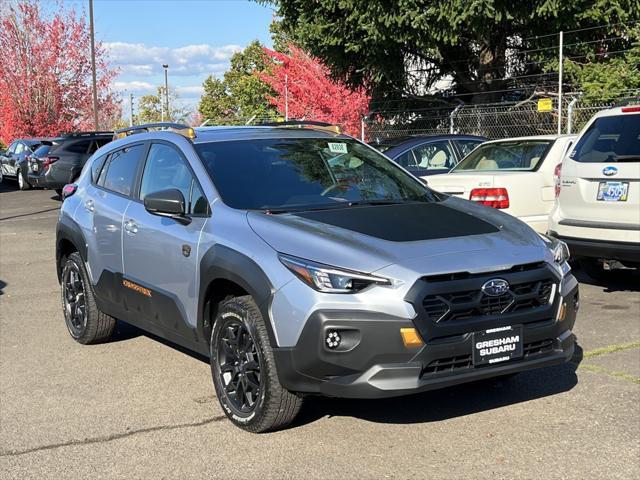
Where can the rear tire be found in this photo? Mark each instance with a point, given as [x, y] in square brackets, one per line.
[244, 370]
[86, 324]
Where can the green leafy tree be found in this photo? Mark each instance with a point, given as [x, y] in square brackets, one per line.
[605, 80]
[404, 48]
[241, 94]
[150, 108]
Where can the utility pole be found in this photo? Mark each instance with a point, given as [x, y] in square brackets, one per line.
[131, 109]
[93, 67]
[166, 90]
[560, 59]
[286, 98]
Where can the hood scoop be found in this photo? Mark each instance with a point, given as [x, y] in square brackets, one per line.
[408, 222]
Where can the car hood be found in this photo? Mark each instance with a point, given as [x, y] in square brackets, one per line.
[424, 237]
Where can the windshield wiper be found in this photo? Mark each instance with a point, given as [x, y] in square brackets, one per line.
[380, 202]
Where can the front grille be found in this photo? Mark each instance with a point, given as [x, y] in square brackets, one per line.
[536, 348]
[464, 305]
[449, 364]
[461, 362]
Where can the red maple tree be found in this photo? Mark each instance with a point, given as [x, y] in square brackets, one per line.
[45, 83]
[305, 84]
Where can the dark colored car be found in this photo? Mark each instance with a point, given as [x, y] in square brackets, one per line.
[63, 161]
[38, 162]
[12, 159]
[430, 154]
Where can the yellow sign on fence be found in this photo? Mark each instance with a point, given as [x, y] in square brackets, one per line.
[545, 105]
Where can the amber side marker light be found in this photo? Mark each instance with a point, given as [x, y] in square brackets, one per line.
[410, 337]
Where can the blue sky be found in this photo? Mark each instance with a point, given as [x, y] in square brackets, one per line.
[196, 38]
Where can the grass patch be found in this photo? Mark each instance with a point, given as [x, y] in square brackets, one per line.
[622, 375]
[610, 349]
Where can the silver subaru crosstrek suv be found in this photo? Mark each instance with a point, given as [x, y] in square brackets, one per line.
[302, 261]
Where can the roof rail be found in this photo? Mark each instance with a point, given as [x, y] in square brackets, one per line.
[179, 128]
[82, 134]
[329, 127]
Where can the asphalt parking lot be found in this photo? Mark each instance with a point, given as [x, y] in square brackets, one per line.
[140, 408]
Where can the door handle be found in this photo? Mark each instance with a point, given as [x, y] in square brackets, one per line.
[130, 227]
[88, 205]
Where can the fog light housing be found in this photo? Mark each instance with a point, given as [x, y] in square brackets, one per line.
[332, 339]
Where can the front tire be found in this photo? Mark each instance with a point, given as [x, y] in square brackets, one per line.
[244, 370]
[85, 322]
[22, 183]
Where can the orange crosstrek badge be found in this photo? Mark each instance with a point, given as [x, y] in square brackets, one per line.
[136, 287]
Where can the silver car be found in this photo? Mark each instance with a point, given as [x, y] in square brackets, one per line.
[302, 261]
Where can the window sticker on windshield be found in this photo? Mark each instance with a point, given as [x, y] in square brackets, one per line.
[337, 147]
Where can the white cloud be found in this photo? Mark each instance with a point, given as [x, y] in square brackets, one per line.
[134, 86]
[138, 59]
[194, 91]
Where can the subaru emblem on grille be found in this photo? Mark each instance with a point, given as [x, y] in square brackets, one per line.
[495, 287]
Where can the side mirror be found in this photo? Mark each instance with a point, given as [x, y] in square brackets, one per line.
[167, 203]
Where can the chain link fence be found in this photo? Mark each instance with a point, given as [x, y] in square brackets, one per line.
[503, 120]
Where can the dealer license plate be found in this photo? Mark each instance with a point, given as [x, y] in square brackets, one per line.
[613, 191]
[497, 345]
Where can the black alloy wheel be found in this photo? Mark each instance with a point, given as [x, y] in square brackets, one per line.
[239, 366]
[73, 294]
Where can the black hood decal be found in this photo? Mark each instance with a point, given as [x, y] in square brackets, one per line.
[408, 222]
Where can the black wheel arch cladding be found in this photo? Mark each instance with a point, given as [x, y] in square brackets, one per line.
[224, 263]
[69, 231]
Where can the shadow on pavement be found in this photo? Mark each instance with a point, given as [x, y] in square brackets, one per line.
[622, 280]
[450, 402]
[2, 285]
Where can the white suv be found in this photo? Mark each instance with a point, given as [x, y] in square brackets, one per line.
[598, 188]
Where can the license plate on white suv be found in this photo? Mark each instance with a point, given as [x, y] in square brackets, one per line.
[497, 345]
[613, 191]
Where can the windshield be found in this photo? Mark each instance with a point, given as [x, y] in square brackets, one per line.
[305, 173]
[610, 139]
[524, 155]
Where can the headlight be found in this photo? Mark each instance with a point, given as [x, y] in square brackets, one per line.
[324, 278]
[559, 249]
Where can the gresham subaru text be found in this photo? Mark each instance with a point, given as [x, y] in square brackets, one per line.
[302, 261]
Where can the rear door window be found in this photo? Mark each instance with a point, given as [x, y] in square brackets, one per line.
[434, 156]
[610, 139]
[119, 173]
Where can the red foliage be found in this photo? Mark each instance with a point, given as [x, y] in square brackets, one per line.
[311, 92]
[45, 83]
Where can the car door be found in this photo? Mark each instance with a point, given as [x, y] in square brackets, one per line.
[160, 253]
[105, 201]
[12, 163]
[6, 158]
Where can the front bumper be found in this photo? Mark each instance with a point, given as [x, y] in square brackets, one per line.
[372, 361]
[608, 250]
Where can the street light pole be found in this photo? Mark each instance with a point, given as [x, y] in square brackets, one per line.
[93, 67]
[166, 90]
[131, 109]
